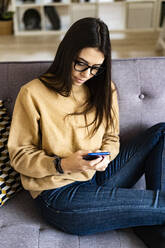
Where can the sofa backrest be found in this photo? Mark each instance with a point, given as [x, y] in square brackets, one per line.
[140, 84]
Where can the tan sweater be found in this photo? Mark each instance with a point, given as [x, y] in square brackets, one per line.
[39, 130]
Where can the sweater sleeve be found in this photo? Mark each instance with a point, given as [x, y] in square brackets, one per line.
[24, 143]
[110, 140]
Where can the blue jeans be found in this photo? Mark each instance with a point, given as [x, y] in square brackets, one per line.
[107, 201]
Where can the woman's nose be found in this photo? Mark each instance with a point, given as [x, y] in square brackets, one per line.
[86, 73]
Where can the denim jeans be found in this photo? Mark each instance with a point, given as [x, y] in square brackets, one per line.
[108, 201]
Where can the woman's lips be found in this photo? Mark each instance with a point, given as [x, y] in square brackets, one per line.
[79, 80]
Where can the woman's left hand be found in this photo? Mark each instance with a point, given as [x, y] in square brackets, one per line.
[103, 164]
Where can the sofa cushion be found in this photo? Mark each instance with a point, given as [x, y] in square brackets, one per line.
[21, 236]
[9, 179]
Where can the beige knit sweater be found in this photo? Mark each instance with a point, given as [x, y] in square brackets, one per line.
[39, 130]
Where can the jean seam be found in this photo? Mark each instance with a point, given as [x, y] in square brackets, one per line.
[163, 161]
[92, 210]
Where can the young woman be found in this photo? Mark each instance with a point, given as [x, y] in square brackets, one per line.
[72, 110]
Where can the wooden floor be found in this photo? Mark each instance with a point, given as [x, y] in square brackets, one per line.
[32, 48]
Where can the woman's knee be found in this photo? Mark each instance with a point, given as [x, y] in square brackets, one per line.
[157, 128]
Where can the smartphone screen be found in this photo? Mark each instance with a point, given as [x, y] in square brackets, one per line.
[94, 155]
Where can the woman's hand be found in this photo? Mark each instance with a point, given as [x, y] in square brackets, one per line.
[76, 163]
[103, 164]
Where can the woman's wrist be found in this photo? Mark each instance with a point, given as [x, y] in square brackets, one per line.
[57, 164]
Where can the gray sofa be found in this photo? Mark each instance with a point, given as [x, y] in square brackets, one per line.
[141, 91]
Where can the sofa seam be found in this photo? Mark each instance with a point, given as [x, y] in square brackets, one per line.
[120, 239]
[39, 232]
[79, 241]
[140, 87]
[115, 60]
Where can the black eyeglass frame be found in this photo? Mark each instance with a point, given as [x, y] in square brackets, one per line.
[100, 68]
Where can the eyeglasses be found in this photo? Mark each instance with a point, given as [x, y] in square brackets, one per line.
[94, 70]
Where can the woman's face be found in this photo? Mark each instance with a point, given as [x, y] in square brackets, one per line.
[87, 57]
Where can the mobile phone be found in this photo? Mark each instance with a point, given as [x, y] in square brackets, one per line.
[94, 155]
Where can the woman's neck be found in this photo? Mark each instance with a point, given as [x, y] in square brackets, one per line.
[79, 93]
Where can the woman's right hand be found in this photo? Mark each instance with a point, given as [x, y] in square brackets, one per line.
[76, 163]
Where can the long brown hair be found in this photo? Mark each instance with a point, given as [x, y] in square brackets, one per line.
[86, 32]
